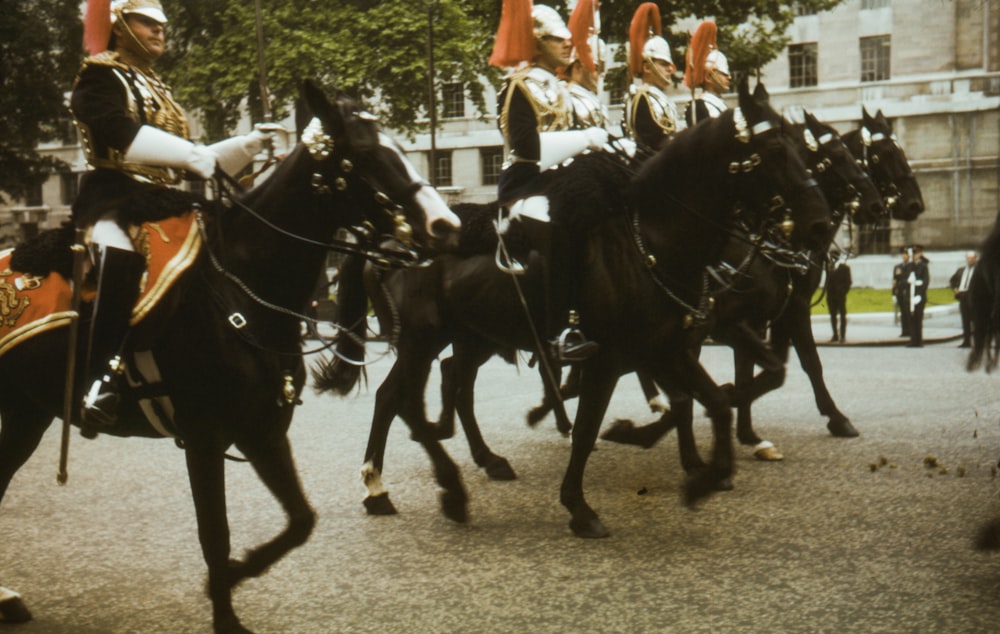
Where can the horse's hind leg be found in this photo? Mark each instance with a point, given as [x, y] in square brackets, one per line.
[21, 429]
[274, 464]
[207, 475]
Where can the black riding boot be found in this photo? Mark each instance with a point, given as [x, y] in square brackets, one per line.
[564, 263]
[119, 273]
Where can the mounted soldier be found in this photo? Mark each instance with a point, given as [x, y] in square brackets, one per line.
[137, 139]
[708, 69]
[650, 116]
[535, 117]
[586, 68]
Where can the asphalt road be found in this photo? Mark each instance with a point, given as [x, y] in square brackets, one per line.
[818, 543]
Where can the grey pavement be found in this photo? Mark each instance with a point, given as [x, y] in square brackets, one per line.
[942, 324]
[872, 534]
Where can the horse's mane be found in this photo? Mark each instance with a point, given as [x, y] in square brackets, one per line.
[680, 159]
[582, 194]
[985, 298]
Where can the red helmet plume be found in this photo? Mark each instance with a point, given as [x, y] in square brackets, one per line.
[702, 43]
[581, 25]
[515, 41]
[645, 23]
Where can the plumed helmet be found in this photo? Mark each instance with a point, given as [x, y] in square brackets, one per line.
[699, 51]
[584, 24]
[645, 25]
[657, 48]
[548, 23]
[101, 14]
[716, 60]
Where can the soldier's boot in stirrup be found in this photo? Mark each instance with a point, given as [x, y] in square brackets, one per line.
[100, 403]
[119, 274]
[571, 346]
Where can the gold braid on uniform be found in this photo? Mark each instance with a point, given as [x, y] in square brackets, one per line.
[551, 110]
[157, 109]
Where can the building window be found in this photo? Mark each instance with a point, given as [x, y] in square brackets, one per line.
[875, 57]
[491, 159]
[70, 182]
[801, 9]
[874, 4]
[442, 169]
[453, 100]
[33, 196]
[802, 63]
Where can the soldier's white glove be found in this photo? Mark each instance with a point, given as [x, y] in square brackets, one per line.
[556, 147]
[597, 138]
[237, 152]
[153, 146]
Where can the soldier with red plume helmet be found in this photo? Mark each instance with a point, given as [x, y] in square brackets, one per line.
[650, 116]
[707, 69]
[588, 60]
[535, 116]
[136, 139]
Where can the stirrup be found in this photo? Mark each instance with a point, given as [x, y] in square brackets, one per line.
[571, 346]
[100, 404]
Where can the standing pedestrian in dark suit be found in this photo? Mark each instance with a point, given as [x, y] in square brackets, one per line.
[901, 291]
[960, 286]
[838, 283]
[919, 281]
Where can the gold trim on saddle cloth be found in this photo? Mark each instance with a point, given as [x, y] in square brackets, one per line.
[26, 304]
[178, 236]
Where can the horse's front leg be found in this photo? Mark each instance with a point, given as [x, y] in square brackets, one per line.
[799, 325]
[206, 473]
[714, 477]
[597, 382]
[272, 460]
[387, 398]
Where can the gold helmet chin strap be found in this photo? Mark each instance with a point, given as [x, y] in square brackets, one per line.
[121, 20]
[655, 70]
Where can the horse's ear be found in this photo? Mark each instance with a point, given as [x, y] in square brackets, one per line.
[882, 121]
[743, 93]
[314, 98]
[866, 118]
[760, 93]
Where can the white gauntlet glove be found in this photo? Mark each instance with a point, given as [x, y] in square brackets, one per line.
[237, 152]
[556, 147]
[153, 146]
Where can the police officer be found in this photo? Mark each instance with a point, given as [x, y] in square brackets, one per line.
[919, 281]
[535, 116]
[136, 137]
[650, 116]
[708, 69]
[901, 290]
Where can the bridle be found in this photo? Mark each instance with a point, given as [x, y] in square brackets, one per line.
[759, 240]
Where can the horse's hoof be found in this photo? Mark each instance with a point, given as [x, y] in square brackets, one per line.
[842, 428]
[766, 451]
[703, 483]
[454, 507]
[589, 528]
[230, 626]
[12, 608]
[535, 415]
[625, 432]
[657, 406]
[379, 505]
[500, 469]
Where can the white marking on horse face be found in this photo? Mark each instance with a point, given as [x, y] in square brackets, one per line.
[372, 478]
[428, 198]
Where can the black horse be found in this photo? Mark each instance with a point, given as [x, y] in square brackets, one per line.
[226, 338]
[761, 286]
[641, 293]
[985, 353]
[875, 149]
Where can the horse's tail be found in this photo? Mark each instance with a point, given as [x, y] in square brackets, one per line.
[340, 373]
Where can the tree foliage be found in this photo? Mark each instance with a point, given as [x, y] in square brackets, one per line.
[39, 55]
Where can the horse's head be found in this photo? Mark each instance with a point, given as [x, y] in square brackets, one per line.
[769, 175]
[840, 177]
[351, 150]
[875, 147]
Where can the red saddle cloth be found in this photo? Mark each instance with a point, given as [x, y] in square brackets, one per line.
[31, 305]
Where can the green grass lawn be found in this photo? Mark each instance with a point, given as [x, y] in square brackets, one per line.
[873, 300]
